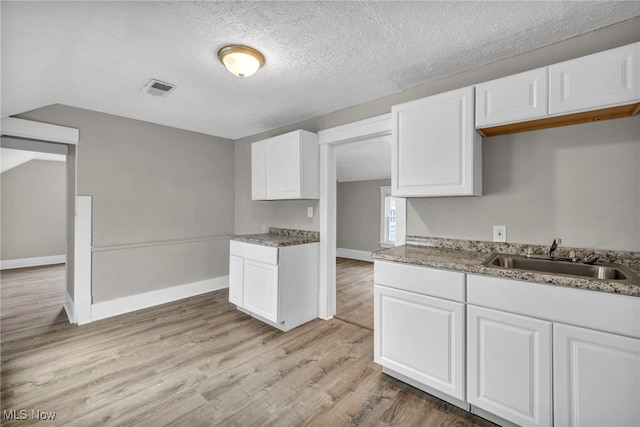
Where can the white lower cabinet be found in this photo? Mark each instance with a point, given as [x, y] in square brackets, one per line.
[261, 289]
[431, 349]
[529, 354]
[597, 378]
[278, 285]
[419, 329]
[509, 366]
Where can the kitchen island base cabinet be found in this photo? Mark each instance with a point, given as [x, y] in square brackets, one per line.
[597, 378]
[509, 366]
[277, 285]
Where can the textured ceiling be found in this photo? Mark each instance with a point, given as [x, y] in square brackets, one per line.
[320, 56]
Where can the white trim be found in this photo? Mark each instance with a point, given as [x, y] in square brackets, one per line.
[385, 191]
[401, 221]
[354, 254]
[328, 224]
[159, 243]
[43, 131]
[328, 139]
[31, 130]
[68, 308]
[32, 262]
[357, 131]
[82, 268]
[131, 303]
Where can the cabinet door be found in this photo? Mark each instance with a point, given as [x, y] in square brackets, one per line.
[511, 99]
[435, 147]
[236, 279]
[420, 337]
[597, 378]
[258, 171]
[509, 366]
[261, 289]
[596, 81]
[283, 167]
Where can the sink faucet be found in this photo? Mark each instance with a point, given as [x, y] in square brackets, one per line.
[551, 252]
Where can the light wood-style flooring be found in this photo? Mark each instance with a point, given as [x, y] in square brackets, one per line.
[195, 362]
[354, 292]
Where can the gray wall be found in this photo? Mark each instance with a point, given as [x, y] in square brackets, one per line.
[33, 210]
[358, 214]
[163, 201]
[580, 183]
[557, 163]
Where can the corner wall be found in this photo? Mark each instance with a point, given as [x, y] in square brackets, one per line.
[163, 201]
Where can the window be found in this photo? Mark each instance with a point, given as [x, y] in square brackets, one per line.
[387, 217]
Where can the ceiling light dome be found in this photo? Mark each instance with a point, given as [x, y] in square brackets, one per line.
[242, 61]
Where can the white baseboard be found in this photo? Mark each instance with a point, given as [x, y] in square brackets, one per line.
[105, 309]
[353, 254]
[32, 262]
[68, 308]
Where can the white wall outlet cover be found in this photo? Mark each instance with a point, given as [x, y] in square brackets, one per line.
[310, 212]
[499, 233]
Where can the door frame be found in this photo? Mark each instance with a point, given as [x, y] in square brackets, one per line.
[329, 139]
[78, 273]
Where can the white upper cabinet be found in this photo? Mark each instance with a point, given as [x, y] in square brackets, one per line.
[511, 99]
[435, 148]
[600, 80]
[605, 85]
[286, 167]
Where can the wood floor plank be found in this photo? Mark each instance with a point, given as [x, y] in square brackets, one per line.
[199, 362]
[354, 292]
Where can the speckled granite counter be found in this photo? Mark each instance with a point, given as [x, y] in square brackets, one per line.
[278, 237]
[468, 256]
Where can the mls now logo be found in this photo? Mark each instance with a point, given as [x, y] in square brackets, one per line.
[23, 414]
[14, 414]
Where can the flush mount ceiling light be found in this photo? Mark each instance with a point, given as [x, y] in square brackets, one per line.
[242, 61]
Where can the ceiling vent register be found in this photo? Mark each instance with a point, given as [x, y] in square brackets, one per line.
[158, 88]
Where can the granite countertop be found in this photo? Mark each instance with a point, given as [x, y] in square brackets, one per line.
[279, 237]
[467, 256]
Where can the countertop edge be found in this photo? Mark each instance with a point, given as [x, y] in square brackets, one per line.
[441, 262]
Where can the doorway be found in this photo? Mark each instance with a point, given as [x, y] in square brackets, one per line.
[33, 136]
[363, 168]
[330, 139]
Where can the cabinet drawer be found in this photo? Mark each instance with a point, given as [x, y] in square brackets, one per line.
[422, 280]
[266, 254]
[618, 314]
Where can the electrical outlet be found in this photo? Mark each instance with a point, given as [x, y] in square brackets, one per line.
[310, 212]
[499, 233]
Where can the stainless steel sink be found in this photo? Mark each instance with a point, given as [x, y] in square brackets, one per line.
[598, 271]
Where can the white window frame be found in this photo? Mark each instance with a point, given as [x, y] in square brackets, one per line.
[385, 192]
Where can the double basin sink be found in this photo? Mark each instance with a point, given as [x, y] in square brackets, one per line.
[612, 272]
